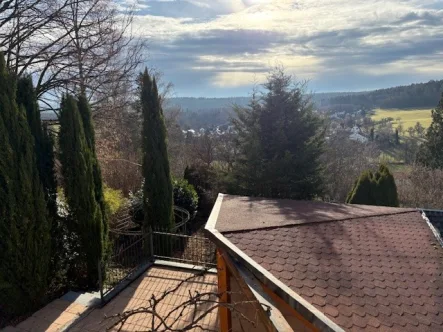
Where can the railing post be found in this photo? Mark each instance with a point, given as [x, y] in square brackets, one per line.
[151, 242]
[100, 281]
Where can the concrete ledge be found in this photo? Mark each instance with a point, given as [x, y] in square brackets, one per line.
[184, 266]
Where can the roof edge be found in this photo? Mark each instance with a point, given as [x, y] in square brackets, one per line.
[431, 226]
[212, 220]
[306, 309]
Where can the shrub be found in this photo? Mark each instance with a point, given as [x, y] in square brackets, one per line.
[377, 188]
[185, 196]
[205, 181]
[114, 200]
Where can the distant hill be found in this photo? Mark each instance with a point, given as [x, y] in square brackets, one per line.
[197, 104]
[202, 103]
[211, 112]
[419, 95]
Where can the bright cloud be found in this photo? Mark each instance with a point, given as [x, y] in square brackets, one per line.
[337, 44]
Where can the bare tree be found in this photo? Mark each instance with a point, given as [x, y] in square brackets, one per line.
[204, 148]
[77, 46]
[420, 187]
[227, 150]
[344, 161]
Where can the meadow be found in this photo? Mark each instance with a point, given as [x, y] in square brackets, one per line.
[409, 117]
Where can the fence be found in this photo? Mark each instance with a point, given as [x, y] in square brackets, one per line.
[195, 250]
[133, 254]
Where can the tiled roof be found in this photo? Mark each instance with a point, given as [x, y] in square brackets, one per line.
[241, 213]
[371, 273]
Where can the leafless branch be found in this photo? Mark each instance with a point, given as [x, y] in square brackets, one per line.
[197, 306]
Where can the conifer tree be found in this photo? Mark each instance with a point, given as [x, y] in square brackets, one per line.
[24, 228]
[43, 142]
[157, 190]
[280, 140]
[377, 188]
[85, 113]
[431, 152]
[78, 175]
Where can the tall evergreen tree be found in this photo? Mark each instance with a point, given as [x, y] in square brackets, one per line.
[24, 228]
[78, 175]
[280, 140]
[377, 188]
[431, 152]
[157, 189]
[43, 141]
[85, 113]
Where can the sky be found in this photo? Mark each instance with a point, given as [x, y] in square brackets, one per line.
[221, 48]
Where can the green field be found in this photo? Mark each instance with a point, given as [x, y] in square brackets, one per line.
[409, 117]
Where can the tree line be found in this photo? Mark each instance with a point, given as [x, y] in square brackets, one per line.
[419, 95]
[41, 238]
[34, 238]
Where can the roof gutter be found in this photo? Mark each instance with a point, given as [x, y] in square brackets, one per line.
[294, 300]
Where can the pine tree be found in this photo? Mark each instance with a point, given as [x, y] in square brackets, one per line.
[24, 228]
[377, 188]
[431, 152]
[280, 140]
[157, 190]
[78, 174]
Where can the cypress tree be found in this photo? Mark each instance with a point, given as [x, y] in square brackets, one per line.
[280, 140]
[431, 152]
[377, 188]
[85, 113]
[157, 189]
[78, 175]
[24, 228]
[43, 142]
[386, 187]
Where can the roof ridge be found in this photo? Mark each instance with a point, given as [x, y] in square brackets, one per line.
[320, 222]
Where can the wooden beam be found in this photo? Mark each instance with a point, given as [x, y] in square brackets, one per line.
[283, 306]
[247, 293]
[223, 288]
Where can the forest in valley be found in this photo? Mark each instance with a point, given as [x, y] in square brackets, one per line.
[203, 112]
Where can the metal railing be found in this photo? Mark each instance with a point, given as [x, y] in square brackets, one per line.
[133, 254]
[190, 249]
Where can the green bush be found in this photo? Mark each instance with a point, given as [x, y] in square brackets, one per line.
[377, 188]
[114, 200]
[185, 196]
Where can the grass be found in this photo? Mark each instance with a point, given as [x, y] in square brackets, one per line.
[409, 117]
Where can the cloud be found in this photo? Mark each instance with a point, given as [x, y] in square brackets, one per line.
[227, 43]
